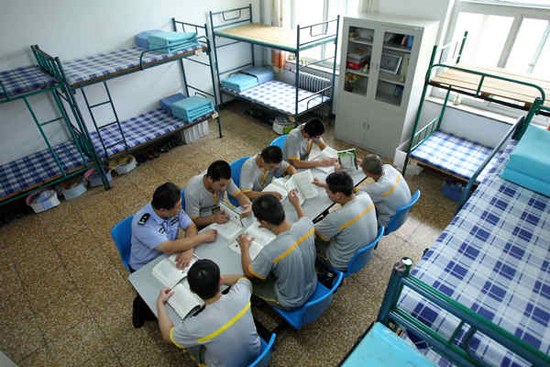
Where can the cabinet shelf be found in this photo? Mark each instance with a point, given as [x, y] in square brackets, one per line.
[357, 72]
[397, 48]
[391, 81]
[361, 41]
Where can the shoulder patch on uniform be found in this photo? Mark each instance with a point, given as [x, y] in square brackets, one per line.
[174, 221]
[144, 218]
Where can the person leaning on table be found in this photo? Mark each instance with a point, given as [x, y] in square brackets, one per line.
[222, 332]
[155, 230]
[284, 271]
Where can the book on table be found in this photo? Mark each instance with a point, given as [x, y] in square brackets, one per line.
[168, 273]
[348, 159]
[183, 301]
[302, 182]
[328, 152]
[233, 227]
[260, 238]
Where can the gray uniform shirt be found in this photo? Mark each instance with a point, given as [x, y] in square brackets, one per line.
[149, 231]
[348, 229]
[388, 194]
[254, 178]
[225, 328]
[199, 202]
[296, 146]
[290, 257]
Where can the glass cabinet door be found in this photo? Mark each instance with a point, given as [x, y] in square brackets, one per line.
[394, 63]
[358, 60]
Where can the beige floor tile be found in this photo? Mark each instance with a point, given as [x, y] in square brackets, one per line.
[105, 358]
[39, 358]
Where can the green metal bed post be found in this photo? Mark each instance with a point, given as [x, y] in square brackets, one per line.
[251, 44]
[419, 111]
[65, 117]
[400, 270]
[535, 108]
[333, 81]
[211, 67]
[215, 49]
[443, 108]
[462, 44]
[297, 66]
[182, 67]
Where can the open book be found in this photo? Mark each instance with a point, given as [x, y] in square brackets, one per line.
[328, 152]
[348, 159]
[168, 274]
[260, 237]
[183, 300]
[302, 182]
[233, 227]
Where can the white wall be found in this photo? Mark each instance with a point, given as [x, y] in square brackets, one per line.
[76, 28]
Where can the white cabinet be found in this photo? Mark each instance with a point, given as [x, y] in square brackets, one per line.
[382, 70]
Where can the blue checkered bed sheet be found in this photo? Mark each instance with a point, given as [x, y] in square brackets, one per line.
[24, 173]
[494, 258]
[280, 97]
[139, 130]
[454, 154]
[23, 80]
[102, 66]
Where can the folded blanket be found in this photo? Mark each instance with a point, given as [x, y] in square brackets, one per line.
[142, 39]
[166, 103]
[240, 82]
[171, 38]
[529, 163]
[191, 108]
[173, 48]
[262, 73]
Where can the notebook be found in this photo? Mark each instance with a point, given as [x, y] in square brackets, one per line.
[183, 300]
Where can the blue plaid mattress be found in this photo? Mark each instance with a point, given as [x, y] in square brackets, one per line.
[103, 66]
[39, 167]
[24, 80]
[139, 130]
[280, 97]
[494, 258]
[454, 154]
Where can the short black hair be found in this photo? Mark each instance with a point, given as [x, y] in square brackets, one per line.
[218, 170]
[340, 182]
[166, 196]
[314, 128]
[268, 207]
[272, 154]
[204, 278]
[372, 163]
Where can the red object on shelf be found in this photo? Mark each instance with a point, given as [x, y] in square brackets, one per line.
[355, 65]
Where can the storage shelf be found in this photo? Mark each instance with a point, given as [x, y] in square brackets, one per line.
[361, 41]
[391, 81]
[357, 72]
[398, 49]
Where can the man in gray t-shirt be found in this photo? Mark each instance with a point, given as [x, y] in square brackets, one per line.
[284, 270]
[299, 142]
[222, 332]
[258, 171]
[389, 191]
[342, 232]
[204, 193]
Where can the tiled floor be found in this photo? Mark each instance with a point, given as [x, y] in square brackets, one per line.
[66, 300]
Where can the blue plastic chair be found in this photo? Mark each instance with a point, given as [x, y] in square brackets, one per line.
[122, 235]
[361, 256]
[265, 356]
[318, 303]
[236, 167]
[401, 214]
[279, 141]
[183, 199]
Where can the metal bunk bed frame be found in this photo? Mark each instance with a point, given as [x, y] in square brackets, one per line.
[54, 67]
[418, 136]
[237, 18]
[78, 134]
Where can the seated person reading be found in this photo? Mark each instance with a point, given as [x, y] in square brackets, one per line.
[155, 230]
[258, 172]
[284, 270]
[389, 190]
[347, 229]
[222, 332]
[299, 142]
[205, 191]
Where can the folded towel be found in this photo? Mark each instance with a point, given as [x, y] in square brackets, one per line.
[166, 103]
[191, 108]
[240, 82]
[262, 73]
[171, 38]
[157, 47]
[529, 163]
[142, 39]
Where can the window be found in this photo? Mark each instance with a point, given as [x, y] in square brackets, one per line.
[307, 12]
[510, 34]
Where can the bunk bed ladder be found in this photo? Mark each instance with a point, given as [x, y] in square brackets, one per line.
[108, 101]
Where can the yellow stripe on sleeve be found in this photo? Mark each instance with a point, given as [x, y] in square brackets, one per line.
[236, 193]
[347, 224]
[225, 326]
[321, 236]
[294, 245]
[254, 273]
[174, 340]
[392, 189]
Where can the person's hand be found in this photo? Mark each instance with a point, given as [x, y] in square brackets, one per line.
[327, 162]
[337, 166]
[164, 295]
[359, 162]
[220, 217]
[183, 259]
[244, 241]
[246, 210]
[277, 195]
[209, 235]
[293, 198]
[319, 183]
